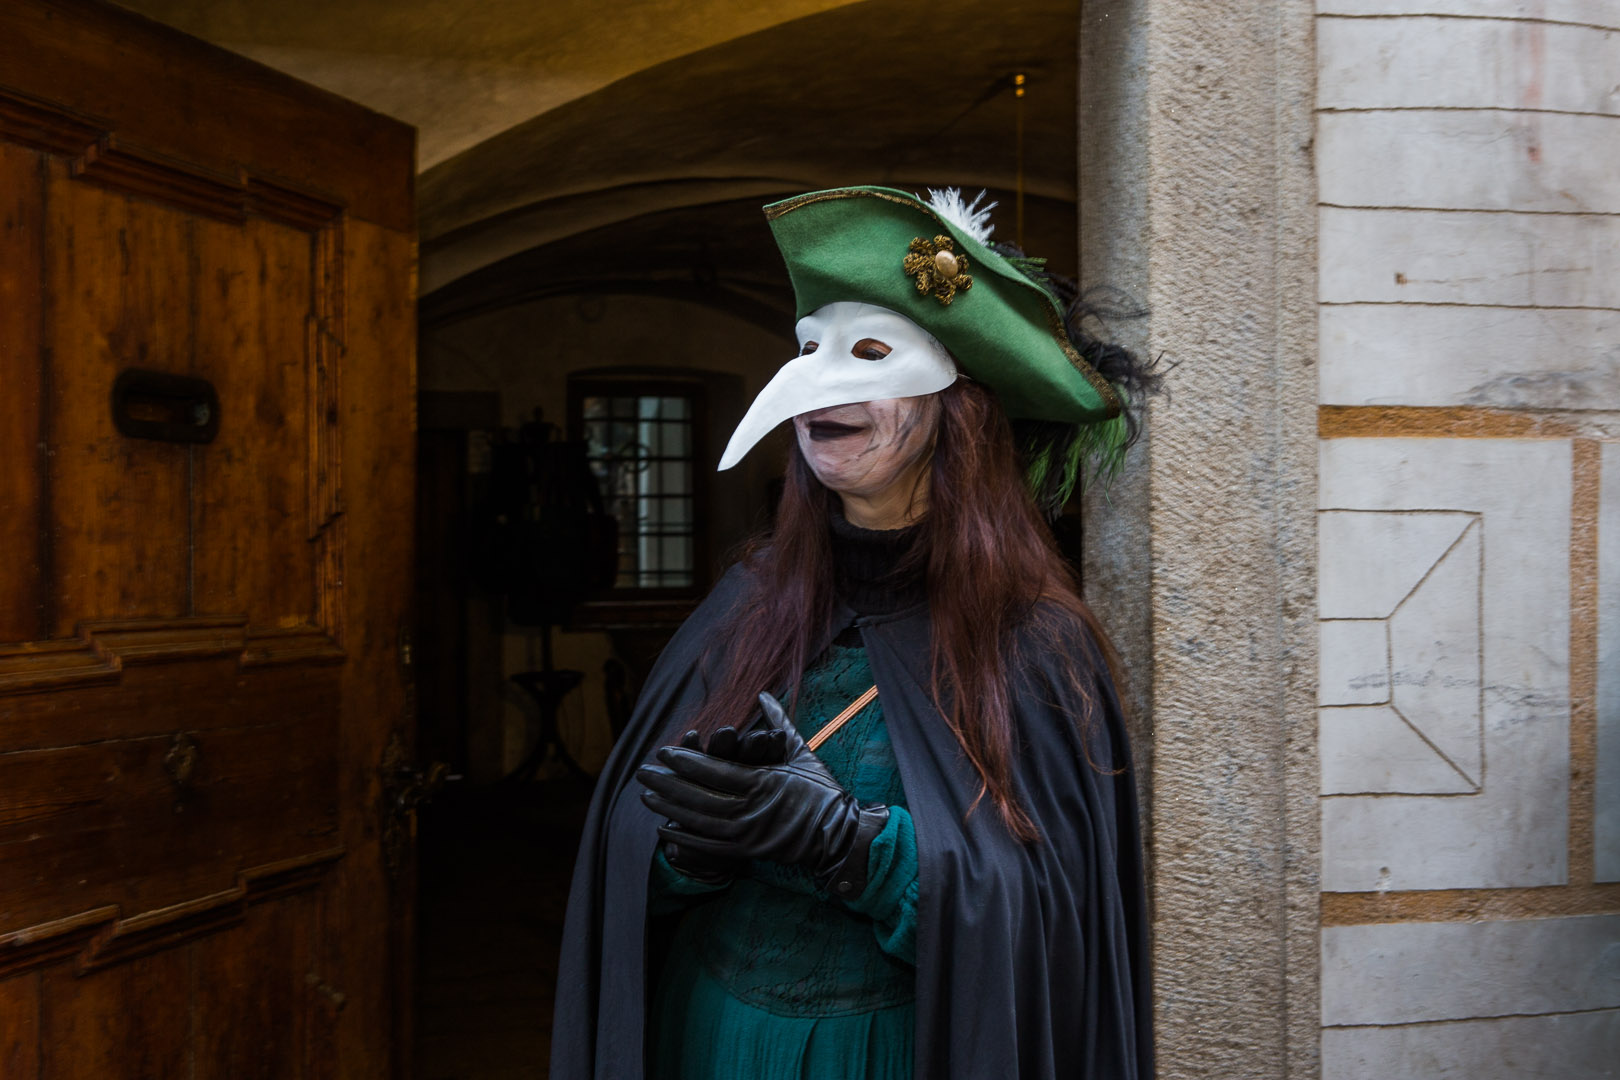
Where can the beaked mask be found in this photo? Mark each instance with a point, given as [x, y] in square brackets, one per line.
[917, 364]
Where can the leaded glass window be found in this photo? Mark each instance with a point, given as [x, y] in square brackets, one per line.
[641, 446]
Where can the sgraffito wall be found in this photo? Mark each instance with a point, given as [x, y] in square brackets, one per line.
[1468, 171]
[1365, 569]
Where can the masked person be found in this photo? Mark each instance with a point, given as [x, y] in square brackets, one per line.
[874, 817]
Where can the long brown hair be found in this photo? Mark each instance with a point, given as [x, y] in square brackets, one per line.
[990, 563]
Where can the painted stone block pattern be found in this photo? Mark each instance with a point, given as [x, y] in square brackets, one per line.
[1403, 973]
[1400, 651]
[1412, 63]
[1407, 354]
[1465, 257]
[1458, 777]
[1572, 1046]
[1354, 668]
[1467, 160]
[1598, 13]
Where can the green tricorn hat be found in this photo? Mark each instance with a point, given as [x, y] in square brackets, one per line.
[877, 245]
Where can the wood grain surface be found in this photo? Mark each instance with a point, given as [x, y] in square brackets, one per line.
[201, 644]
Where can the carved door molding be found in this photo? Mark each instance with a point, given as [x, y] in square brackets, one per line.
[195, 685]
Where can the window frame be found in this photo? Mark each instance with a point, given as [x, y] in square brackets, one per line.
[639, 604]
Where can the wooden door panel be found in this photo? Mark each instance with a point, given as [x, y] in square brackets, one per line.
[192, 101]
[19, 1026]
[106, 824]
[252, 549]
[117, 273]
[196, 683]
[120, 1024]
[136, 695]
[258, 1028]
[21, 478]
[145, 528]
[381, 268]
[251, 981]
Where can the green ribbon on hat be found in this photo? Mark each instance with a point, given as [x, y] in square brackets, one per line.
[1004, 328]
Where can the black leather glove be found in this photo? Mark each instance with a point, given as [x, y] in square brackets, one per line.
[754, 748]
[794, 813]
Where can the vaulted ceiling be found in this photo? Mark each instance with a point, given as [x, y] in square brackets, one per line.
[545, 121]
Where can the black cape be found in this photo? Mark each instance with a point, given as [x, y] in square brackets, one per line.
[1031, 960]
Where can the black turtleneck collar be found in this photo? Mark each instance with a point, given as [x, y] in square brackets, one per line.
[865, 563]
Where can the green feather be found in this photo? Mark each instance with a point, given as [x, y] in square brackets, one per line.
[1103, 447]
[1028, 266]
[1057, 468]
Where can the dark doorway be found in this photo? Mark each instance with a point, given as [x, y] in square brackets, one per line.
[495, 866]
[643, 340]
[493, 859]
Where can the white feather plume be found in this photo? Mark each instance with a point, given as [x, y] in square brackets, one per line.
[967, 216]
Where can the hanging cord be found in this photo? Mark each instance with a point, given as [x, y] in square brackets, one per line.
[1018, 106]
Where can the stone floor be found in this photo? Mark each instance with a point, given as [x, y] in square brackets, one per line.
[493, 878]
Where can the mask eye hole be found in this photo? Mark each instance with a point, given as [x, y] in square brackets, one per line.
[809, 347]
[870, 349]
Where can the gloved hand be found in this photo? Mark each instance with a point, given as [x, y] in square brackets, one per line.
[754, 748]
[794, 812]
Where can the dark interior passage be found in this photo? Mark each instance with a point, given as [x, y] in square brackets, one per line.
[494, 870]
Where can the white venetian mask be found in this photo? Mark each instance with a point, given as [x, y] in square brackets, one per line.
[916, 364]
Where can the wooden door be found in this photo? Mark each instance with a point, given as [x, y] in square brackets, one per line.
[202, 644]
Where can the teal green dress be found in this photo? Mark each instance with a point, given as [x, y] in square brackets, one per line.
[768, 977]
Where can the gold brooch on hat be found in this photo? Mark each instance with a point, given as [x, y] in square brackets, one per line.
[939, 270]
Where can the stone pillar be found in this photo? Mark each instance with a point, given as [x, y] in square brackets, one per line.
[1197, 198]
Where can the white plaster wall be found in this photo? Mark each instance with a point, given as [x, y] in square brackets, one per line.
[1450, 159]
[1547, 1047]
[1502, 357]
[1468, 157]
[1600, 13]
[1411, 62]
[1397, 974]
